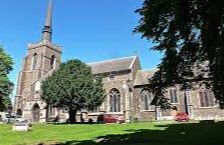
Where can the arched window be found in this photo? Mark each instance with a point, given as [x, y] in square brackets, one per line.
[115, 99]
[36, 112]
[34, 61]
[173, 95]
[52, 62]
[206, 98]
[147, 98]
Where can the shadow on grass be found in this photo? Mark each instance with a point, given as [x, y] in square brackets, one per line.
[174, 134]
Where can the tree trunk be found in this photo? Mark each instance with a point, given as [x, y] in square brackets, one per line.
[72, 116]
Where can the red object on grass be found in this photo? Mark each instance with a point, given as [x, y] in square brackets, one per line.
[109, 118]
[182, 117]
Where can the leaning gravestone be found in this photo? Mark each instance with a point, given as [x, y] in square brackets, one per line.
[21, 126]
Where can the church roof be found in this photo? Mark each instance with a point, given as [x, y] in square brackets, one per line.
[113, 65]
[143, 76]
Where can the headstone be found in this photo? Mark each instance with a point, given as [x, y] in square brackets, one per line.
[21, 127]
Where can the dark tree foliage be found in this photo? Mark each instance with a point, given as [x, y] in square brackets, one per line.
[74, 87]
[191, 35]
[5, 84]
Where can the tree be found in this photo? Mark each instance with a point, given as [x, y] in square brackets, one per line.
[192, 33]
[5, 84]
[74, 87]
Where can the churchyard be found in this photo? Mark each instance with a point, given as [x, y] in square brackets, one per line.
[155, 133]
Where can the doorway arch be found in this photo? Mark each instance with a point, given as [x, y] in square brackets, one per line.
[19, 112]
[36, 112]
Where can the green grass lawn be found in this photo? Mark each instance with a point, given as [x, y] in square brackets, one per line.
[115, 134]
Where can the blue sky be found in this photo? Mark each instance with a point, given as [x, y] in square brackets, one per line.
[90, 30]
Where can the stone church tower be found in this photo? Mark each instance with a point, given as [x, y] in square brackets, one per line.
[42, 58]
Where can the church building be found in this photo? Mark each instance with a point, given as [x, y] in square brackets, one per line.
[124, 81]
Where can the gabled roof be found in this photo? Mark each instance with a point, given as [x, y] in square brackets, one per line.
[143, 76]
[113, 65]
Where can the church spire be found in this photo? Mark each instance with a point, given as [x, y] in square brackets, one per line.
[47, 30]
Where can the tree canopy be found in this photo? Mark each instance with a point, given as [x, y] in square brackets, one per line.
[74, 87]
[191, 34]
[5, 84]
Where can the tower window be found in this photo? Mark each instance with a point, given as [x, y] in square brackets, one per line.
[34, 61]
[52, 62]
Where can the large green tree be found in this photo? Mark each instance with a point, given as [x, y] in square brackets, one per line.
[74, 87]
[5, 84]
[191, 35]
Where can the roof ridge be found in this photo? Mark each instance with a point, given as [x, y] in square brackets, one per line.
[112, 59]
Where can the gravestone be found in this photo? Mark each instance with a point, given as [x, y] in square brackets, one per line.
[21, 126]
